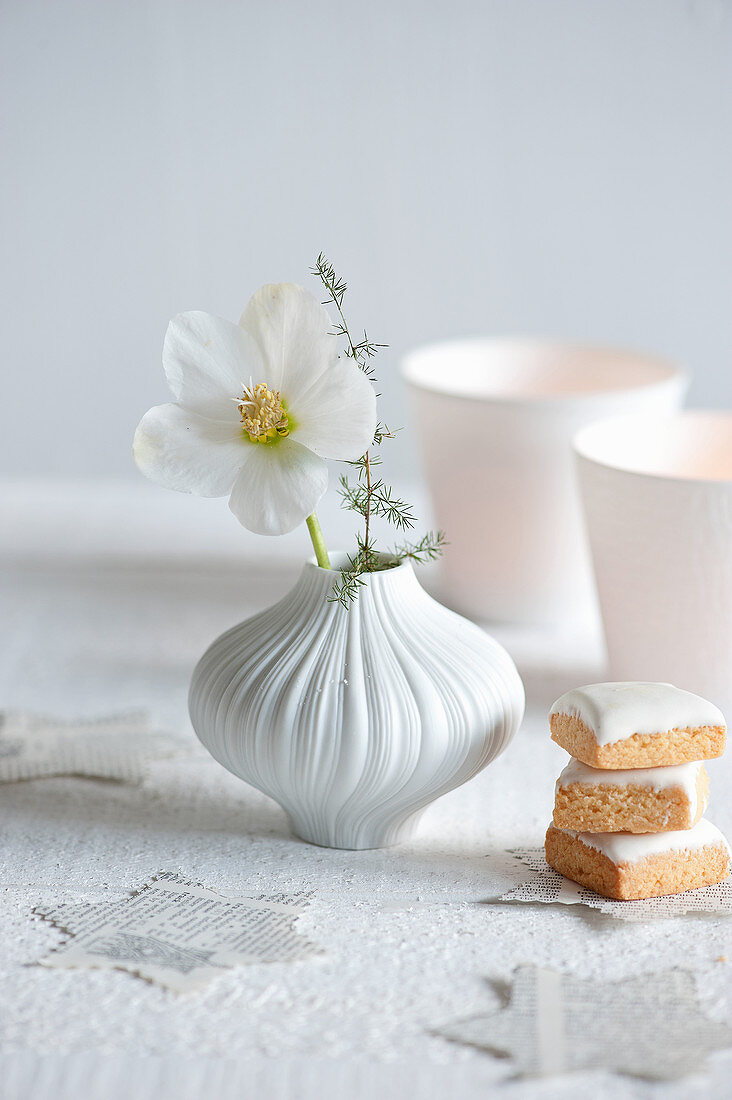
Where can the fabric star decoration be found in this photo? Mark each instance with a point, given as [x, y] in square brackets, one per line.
[36, 746]
[179, 933]
[547, 886]
[646, 1026]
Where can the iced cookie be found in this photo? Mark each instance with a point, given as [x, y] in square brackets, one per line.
[643, 800]
[629, 866]
[636, 725]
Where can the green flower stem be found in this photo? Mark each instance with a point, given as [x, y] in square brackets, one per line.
[316, 534]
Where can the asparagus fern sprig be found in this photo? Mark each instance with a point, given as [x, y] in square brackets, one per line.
[366, 493]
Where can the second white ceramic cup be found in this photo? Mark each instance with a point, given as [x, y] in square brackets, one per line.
[657, 493]
[495, 420]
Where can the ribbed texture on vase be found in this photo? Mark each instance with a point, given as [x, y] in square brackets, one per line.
[355, 720]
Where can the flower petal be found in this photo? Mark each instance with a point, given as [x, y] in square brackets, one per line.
[294, 334]
[181, 450]
[207, 360]
[336, 418]
[279, 486]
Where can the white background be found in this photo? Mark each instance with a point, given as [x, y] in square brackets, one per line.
[545, 166]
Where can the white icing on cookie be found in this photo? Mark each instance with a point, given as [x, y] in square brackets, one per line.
[630, 847]
[684, 776]
[616, 711]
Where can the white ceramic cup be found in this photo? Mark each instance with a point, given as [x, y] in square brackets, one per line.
[657, 494]
[495, 419]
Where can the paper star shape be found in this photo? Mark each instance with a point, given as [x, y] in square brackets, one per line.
[119, 747]
[547, 886]
[645, 1026]
[179, 933]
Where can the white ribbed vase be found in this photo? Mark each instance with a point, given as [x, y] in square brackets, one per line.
[354, 720]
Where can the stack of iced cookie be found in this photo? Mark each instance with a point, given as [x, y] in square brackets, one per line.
[628, 808]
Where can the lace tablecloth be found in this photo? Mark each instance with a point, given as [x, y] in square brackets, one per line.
[411, 939]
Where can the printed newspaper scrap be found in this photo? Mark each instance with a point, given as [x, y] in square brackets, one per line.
[118, 747]
[179, 934]
[645, 1026]
[548, 886]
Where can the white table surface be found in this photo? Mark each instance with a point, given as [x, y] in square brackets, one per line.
[106, 606]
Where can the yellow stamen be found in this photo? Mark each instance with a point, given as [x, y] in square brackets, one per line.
[262, 413]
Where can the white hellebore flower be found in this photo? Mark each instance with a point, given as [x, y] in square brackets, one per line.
[259, 407]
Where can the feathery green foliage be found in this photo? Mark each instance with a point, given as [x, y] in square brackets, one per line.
[366, 493]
